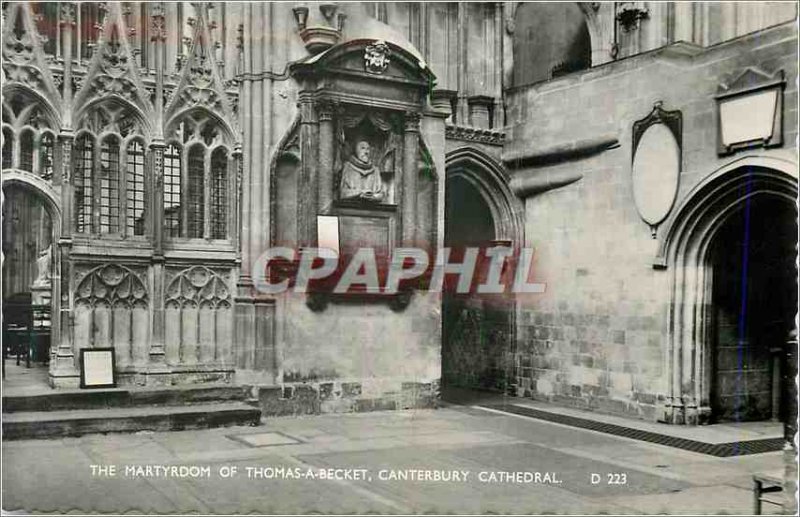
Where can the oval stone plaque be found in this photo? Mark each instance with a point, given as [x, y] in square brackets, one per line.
[656, 168]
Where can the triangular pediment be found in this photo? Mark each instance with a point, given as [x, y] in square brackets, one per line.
[749, 79]
[24, 60]
[201, 84]
[113, 71]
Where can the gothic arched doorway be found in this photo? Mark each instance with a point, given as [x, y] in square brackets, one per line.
[30, 225]
[730, 251]
[755, 299]
[478, 329]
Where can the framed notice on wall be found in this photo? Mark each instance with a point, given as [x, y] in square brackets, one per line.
[97, 368]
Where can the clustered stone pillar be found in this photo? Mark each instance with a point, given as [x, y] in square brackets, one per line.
[326, 188]
[410, 153]
[236, 232]
[157, 353]
[67, 21]
[63, 371]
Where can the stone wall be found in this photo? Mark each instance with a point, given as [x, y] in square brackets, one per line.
[357, 356]
[596, 338]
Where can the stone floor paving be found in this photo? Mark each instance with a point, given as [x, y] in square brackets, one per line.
[55, 475]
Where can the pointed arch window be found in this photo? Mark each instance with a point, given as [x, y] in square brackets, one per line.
[109, 182]
[197, 180]
[28, 138]
[195, 213]
[8, 145]
[82, 179]
[109, 185]
[26, 150]
[172, 191]
[219, 193]
[134, 189]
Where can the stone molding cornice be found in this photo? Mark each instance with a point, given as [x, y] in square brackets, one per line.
[474, 134]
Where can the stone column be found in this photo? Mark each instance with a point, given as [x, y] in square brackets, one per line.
[307, 197]
[326, 136]
[235, 215]
[410, 153]
[461, 115]
[157, 148]
[157, 352]
[67, 25]
[63, 369]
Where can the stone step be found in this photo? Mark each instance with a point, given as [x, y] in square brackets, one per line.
[58, 400]
[52, 424]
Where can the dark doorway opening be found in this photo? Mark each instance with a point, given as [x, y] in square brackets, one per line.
[754, 304]
[27, 287]
[477, 329]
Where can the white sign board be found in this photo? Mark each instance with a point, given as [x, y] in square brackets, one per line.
[328, 234]
[97, 368]
[748, 117]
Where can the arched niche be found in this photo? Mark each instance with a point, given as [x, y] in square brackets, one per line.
[35, 187]
[550, 39]
[685, 251]
[491, 180]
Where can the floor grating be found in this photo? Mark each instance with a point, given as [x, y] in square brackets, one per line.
[721, 450]
[268, 439]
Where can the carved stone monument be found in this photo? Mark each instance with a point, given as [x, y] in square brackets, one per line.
[359, 147]
[361, 180]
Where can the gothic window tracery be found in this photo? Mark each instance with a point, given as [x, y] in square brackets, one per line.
[28, 141]
[110, 171]
[196, 190]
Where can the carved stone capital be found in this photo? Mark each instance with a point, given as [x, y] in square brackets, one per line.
[157, 25]
[67, 14]
[412, 120]
[325, 110]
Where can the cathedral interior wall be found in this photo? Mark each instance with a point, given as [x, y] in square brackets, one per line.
[598, 336]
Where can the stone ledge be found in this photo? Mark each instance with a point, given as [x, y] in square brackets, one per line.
[342, 397]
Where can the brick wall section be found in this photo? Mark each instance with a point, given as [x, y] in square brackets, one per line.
[596, 338]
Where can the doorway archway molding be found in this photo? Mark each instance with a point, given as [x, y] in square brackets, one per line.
[491, 180]
[683, 250]
[51, 200]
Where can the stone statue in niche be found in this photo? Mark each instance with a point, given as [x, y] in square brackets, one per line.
[43, 267]
[361, 180]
